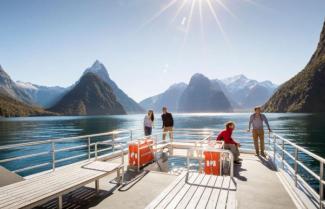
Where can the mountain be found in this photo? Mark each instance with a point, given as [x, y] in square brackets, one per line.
[42, 95]
[9, 87]
[169, 98]
[90, 96]
[240, 91]
[203, 96]
[10, 107]
[128, 104]
[246, 93]
[305, 91]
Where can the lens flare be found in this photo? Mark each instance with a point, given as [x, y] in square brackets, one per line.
[204, 8]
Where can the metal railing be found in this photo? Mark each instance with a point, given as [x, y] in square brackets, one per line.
[279, 147]
[50, 150]
[88, 144]
[199, 155]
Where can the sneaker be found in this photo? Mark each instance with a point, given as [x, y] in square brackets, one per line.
[237, 162]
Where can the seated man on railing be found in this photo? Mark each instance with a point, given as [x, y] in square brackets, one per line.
[230, 143]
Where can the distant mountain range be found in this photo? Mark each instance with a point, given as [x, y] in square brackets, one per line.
[246, 93]
[26, 95]
[96, 93]
[305, 92]
[238, 91]
[90, 96]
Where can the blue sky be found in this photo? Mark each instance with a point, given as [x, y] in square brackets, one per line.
[53, 42]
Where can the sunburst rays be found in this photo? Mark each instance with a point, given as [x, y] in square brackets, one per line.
[203, 8]
[192, 5]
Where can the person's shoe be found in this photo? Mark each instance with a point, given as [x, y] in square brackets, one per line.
[239, 159]
[258, 154]
[237, 162]
[263, 155]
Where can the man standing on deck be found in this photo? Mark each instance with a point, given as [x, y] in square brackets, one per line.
[256, 120]
[168, 124]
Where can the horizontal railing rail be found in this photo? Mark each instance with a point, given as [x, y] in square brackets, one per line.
[278, 146]
[55, 147]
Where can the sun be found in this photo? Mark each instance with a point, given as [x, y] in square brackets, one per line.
[203, 6]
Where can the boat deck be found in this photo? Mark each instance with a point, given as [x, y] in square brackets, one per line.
[258, 186]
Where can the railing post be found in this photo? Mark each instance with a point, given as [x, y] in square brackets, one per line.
[296, 166]
[53, 155]
[89, 148]
[321, 186]
[96, 154]
[138, 155]
[282, 158]
[113, 140]
[274, 150]
[270, 142]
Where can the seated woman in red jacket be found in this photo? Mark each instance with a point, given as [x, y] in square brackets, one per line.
[230, 143]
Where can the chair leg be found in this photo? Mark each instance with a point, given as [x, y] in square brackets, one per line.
[97, 186]
[60, 202]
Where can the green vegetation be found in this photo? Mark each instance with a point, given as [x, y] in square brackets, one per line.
[10, 107]
[305, 91]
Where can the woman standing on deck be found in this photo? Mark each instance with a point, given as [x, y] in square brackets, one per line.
[148, 123]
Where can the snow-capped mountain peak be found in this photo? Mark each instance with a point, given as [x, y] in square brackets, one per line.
[26, 85]
[268, 84]
[99, 69]
[235, 78]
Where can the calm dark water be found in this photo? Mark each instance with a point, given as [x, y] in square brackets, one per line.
[307, 130]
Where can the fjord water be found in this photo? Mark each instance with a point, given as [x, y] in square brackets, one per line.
[307, 130]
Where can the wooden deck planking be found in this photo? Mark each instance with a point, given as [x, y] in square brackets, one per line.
[39, 186]
[38, 177]
[28, 190]
[171, 194]
[231, 199]
[207, 192]
[162, 195]
[222, 200]
[33, 190]
[34, 196]
[214, 196]
[179, 196]
[199, 192]
[22, 184]
[5, 193]
[188, 196]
